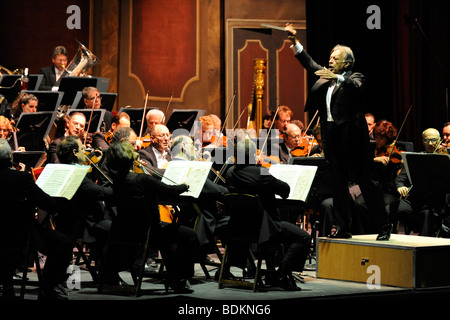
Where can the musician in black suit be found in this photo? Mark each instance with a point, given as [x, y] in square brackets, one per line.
[93, 100]
[19, 197]
[178, 244]
[249, 178]
[85, 215]
[158, 153]
[339, 95]
[211, 222]
[53, 74]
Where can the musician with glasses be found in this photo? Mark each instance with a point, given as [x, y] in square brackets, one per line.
[158, 153]
[53, 73]
[93, 100]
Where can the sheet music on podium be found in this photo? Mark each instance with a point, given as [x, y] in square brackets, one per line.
[298, 177]
[192, 173]
[61, 180]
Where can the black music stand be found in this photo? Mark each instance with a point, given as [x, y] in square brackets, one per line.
[29, 158]
[34, 80]
[108, 100]
[429, 173]
[96, 121]
[48, 100]
[136, 115]
[320, 188]
[71, 85]
[184, 119]
[33, 128]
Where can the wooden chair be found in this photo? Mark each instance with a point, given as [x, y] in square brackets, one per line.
[246, 214]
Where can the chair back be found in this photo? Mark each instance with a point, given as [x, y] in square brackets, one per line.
[246, 214]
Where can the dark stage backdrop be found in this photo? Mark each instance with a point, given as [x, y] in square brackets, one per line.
[405, 61]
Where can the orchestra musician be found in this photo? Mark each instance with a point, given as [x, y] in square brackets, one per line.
[152, 118]
[93, 100]
[85, 207]
[446, 135]
[211, 223]
[422, 212]
[387, 165]
[20, 196]
[53, 73]
[248, 178]
[157, 154]
[102, 140]
[178, 244]
[74, 126]
[338, 96]
[24, 103]
[370, 119]
[282, 118]
[292, 139]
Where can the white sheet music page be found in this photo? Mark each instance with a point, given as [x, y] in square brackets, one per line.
[298, 177]
[61, 180]
[192, 173]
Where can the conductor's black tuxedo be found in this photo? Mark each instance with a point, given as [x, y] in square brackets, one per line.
[346, 142]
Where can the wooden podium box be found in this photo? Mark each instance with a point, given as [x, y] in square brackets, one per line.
[403, 261]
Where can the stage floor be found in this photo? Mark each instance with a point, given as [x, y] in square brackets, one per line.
[314, 292]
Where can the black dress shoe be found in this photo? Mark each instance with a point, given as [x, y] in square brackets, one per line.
[385, 233]
[51, 294]
[179, 286]
[337, 233]
[283, 282]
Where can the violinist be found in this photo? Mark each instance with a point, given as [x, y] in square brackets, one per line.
[283, 117]
[218, 139]
[102, 140]
[152, 118]
[158, 154]
[178, 244]
[74, 126]
[245, 177]
[291, 142]
[422, 212]
[93, 100]
[19, 196]
[205, 138]
[86, 206]
[211, 223]
[387, 164]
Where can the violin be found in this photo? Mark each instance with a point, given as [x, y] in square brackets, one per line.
[266, 161]
[392, 152]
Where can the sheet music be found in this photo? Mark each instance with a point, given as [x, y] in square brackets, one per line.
[193, 173]
[298, 177]
[61, 180]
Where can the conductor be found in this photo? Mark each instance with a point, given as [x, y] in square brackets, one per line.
[339, 96]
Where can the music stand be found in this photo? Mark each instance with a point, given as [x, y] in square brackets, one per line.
[29, 158]
[184, 119]
[71, 85]
[48, 100]
[429, 173]
[34, 80]
[108, 100]
[33, 128]
[136, 115]
[96, 121]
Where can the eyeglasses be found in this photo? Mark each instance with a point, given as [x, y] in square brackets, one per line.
[295, 137]
[164, 135]
[93, 98]
[4, 130]
[284, 121]
[430, 140]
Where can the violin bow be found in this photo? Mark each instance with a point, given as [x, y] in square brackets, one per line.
[89, 123]
[167, 108]
[401, 128]
[270, 128]
[143, 116]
